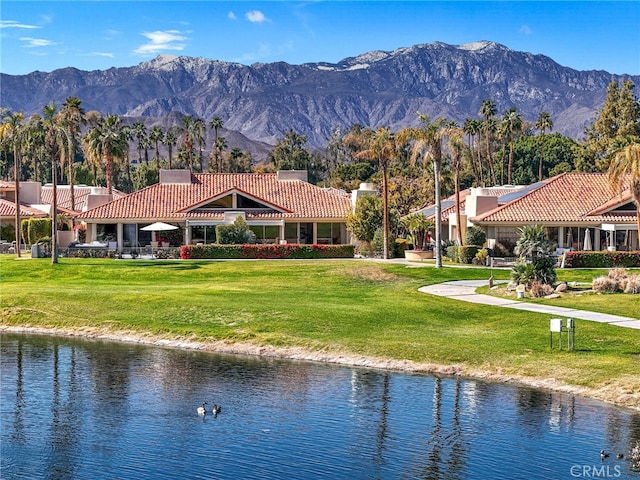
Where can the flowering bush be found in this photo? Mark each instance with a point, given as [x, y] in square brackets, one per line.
[266, 251]
[602, 259]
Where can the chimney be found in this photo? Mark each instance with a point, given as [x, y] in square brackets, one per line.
[284, 175]
[479, 202]
[365, 189]
[175, 176]
[31, 192]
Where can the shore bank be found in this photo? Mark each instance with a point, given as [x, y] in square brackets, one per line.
[619, 394]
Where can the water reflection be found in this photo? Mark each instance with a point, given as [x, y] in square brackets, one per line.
[84, 409]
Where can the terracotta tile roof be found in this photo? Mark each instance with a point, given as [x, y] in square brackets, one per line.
[566, 198]
[172, 201]
[80, 192]
[448, 205]
[8, 210]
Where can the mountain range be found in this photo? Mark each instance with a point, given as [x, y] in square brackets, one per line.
[378, 88]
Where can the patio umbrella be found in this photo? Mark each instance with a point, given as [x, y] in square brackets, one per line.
[570, 238]
[158, 227]
[587, 241]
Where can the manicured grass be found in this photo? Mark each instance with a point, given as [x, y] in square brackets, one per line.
[622, 304]
[358, 307]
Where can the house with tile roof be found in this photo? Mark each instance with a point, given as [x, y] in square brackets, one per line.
[571, 206]
[278, 207]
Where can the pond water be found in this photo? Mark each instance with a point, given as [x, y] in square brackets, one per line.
[74, 409]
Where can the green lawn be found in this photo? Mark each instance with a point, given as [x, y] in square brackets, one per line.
[357, 307]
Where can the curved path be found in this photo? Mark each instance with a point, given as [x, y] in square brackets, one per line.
[465, 290]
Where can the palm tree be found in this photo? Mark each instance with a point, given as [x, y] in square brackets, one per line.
[187, 137]
[170, 140]
[456, 144]
[543, 123]
[512, 120]
[57, 143]
[488, 110]
[139, 132]
[219, 146]
[34, 143]
[156, 135]
[14, 131]
[199, 128]
[215, 124]
[472, 127]
[107, 141]
[427, 143]
[382, 148]
[625, 167]
[72, 116]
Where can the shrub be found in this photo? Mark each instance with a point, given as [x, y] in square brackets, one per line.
[475, 236]
[452, 253]
[467, 253]
[236, 233]
[540, 289]
[633, 284]
[271, 251]
[541, 271]
[604, 284]
[602, 259]
[8, 233]
[481, 257]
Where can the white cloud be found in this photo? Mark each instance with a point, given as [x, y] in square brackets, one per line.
[36, 42]
[231, 16]
[256, 16]
[525, 30]
[161, 41]
[100, 54]
[14, 24]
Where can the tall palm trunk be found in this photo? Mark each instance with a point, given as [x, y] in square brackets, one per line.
[385, 210]
[16, 174]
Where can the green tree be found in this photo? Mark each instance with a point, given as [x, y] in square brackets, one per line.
[535, 262]
[170, 140]
[487, 111]
[289, 153]
[512, 120]
[187, 137]
[156, 135]
[14, 132]
[456, 146]
[382, 148]
[473, 127]
[216, 124]
[427, 145]
[139, 132]
[543, 123]
[366, 218]
[625, 168]
[617, 122]
[107, 141]
[199, 129]
[71, 117]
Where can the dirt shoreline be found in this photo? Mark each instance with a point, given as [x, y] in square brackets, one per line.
[618, 395]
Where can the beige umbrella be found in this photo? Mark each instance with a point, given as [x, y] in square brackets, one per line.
[587, 240]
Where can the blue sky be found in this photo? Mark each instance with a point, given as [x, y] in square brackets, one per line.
[90, 35]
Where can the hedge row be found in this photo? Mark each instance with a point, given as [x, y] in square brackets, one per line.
[602, 259]
[269, 251]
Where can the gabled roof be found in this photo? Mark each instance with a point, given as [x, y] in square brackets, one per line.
[8, 210]
[172, 201]
[566, 198]
[448, 205]
[80, 193]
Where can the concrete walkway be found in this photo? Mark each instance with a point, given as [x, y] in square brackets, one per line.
[465, 290]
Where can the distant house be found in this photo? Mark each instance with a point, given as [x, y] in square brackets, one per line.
[570, 206]
[278, 207]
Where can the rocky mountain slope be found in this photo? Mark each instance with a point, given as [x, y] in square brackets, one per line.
[374, 89]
